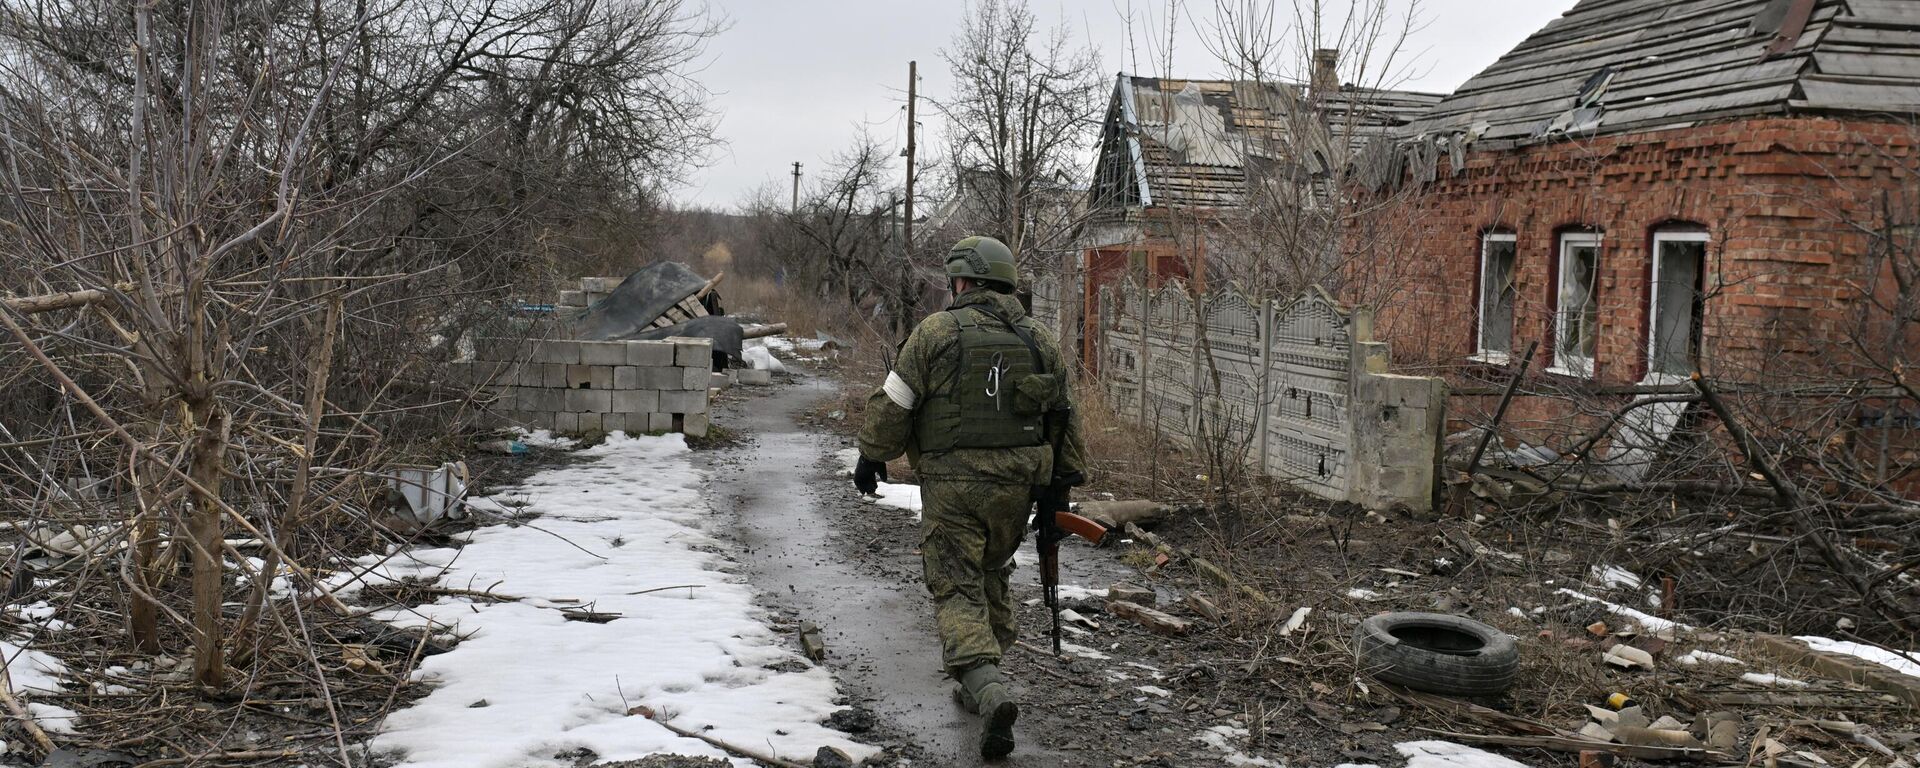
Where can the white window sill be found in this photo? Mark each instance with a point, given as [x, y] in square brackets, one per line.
[1490, 357]
[1561, 370]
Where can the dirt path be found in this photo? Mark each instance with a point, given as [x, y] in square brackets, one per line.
[822, 554]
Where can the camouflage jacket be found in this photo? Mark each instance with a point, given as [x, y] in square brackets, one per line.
[929, 356]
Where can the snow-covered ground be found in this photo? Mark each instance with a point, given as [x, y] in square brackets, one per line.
[527, 683]
[897, 495]
[29, 672]
[1904, 663]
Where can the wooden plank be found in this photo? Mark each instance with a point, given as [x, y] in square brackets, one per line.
[1155, 621]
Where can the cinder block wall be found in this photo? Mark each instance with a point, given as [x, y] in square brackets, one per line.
[576, 387]
[592, 290]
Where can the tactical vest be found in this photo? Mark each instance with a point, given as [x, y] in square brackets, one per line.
[999, 392]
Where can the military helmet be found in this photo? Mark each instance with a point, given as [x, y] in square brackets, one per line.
[982, 258]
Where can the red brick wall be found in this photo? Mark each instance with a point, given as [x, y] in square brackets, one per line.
[1779, 198]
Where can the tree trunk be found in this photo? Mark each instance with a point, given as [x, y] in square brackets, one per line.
[206, 531]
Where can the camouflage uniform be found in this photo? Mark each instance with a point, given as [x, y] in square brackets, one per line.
[975, 501]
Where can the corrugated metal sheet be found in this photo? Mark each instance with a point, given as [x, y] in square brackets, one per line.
[1675, 62]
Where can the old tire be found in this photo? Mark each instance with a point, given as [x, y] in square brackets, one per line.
[1437, 653]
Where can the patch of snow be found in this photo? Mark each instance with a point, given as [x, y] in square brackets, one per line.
[1082, 651]
[1906, 665]
[1697, 657]
[1613, 577]
[1646, 621]
[541, 438]
[1358, 593]
[898, 495]
[1077, 592]
[54, 719]
[760, 359]
[1150, 669]
[1516, 612]
[1222, 737]
[31, 672]
[1155, 690]
[1768, 678]
[629, 521]
[1446, 754]
[40, 613]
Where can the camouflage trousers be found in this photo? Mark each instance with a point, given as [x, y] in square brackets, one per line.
[969, 531]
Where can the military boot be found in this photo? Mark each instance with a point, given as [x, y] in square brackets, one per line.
[996, 707]
[964, 698]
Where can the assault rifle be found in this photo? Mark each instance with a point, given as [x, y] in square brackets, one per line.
[1053, 522]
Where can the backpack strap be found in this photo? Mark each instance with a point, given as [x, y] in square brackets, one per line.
[1026, 337]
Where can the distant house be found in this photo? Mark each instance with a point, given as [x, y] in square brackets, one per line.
[976, 205]
[1179, 159]
[1639, 186]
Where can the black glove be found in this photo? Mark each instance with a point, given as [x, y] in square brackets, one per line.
[868, 474]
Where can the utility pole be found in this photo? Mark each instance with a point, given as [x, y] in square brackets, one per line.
[913, 83]
[795, 208]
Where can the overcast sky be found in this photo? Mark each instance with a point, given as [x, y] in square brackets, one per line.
[796, 79]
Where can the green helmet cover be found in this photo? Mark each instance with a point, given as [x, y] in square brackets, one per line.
[982, 258]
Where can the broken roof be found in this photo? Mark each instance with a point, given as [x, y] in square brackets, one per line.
[1189, 142]
[1612, 66]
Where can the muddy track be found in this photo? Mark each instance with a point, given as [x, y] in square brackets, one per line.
[822, 554]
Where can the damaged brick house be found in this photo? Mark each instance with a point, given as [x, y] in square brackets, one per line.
[1640, 186]
[1180, 162]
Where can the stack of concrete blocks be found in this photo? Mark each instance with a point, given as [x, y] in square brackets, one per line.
[592, 290]
[578, 387]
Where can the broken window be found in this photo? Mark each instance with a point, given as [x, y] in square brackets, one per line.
[1496, 297]
[1577, 317]
[1673, 330]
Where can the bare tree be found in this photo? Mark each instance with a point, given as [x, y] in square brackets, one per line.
[229, 231]
[1023, 110]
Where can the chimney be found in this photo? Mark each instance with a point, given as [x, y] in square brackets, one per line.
[1326, 74]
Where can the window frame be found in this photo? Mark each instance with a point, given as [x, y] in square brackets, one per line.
[1480, 351]
[1661, 236]
[1564, 363]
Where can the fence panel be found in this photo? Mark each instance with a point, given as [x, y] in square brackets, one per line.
[1230, 373]
[1309, 359]
[1170, 381]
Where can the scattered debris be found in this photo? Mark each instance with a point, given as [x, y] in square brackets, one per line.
[1072, 616]
[1114, 514]
[851, 720]
[1628, 657]
[828, 757]
[1200, 604]
[1132, 594]
[1156, 621]
[811, 644]
[1295, 622]
[431, 494]
[1201, 564]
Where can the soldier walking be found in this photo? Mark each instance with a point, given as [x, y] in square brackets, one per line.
[980, 406]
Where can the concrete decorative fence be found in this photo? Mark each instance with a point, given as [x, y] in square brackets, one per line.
[575, 387]
[1298, 388]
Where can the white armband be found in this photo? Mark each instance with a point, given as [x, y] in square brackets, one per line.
[898, 391]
